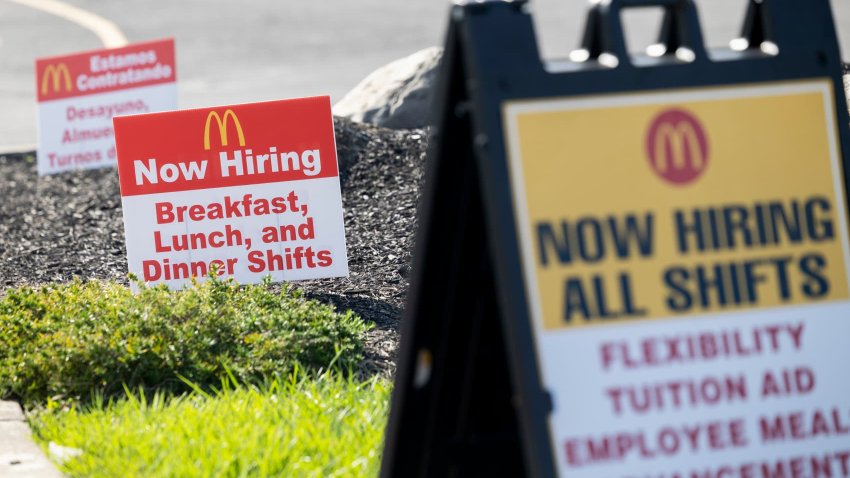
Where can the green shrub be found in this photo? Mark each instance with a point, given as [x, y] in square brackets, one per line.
[75, 339]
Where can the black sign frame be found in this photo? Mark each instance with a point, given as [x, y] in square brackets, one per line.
[468, 399]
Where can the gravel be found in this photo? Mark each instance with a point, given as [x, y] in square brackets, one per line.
[70, 225]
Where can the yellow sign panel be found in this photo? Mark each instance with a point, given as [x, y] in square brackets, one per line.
[634, 207]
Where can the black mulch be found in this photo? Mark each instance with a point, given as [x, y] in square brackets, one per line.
[58, 227]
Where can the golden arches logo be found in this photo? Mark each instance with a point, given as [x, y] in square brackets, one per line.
[221, 121]
[56, 73]
[684, 148]
[677, 146]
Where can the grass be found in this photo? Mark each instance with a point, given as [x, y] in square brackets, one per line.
[192, 383]
[306, 426]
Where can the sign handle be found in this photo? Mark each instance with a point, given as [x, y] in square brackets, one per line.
[604, 40]
[757, 31]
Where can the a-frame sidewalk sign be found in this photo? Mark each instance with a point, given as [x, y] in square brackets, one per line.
[631, 266]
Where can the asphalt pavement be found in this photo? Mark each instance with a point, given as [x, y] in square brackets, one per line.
[233, 52]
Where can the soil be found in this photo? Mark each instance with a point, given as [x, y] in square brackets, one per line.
[68, 225]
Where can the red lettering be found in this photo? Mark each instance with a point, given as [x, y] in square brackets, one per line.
[197, 212]
[819, 425]
[795, 420]
[692, 435]
[797, 468]
[256, 262]
[802, 425]
[607, 355]
[164, 214]
[217, 266]
[325, 258]
[151, 270]
[666, 441]
[570, 448]
[772, 429]
[157, 241]
[775, 471]
[738, 437]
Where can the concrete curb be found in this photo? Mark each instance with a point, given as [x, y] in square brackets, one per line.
[17, 150]
[19, 455]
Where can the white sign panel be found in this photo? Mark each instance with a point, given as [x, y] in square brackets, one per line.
[249, 190]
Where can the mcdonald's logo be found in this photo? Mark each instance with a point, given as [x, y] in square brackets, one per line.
[677, 146]
[221, 121]
[56, 73]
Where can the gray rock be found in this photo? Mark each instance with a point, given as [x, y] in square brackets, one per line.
[397, 95]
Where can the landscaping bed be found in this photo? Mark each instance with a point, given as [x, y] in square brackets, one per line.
[214, 380]
[56, 228]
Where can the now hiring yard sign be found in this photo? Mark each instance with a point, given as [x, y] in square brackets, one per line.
[247, 190]
[649, 254]
[79, 94]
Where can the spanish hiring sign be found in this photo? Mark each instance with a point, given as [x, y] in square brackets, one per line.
[79, 94]
[686, 260]
[252, 190]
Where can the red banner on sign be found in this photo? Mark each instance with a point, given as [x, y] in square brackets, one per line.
[100, 71]
[226, 146]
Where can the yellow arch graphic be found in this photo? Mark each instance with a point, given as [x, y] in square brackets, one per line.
[681, 136]
[56, 73]
[222, 128]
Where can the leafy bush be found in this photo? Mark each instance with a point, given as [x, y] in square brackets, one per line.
[75, 339]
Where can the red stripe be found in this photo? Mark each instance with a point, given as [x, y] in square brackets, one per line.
[175, 140]
[157, 63]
